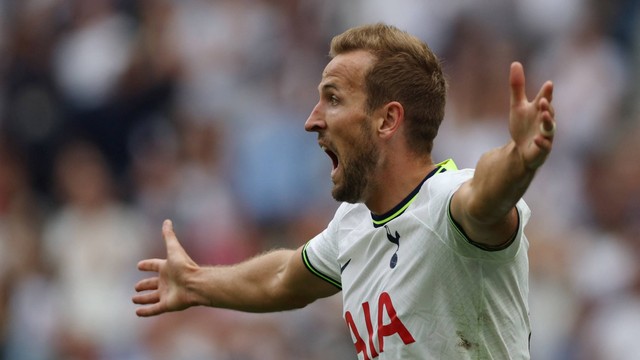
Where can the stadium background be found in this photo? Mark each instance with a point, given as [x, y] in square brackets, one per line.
[117, 114]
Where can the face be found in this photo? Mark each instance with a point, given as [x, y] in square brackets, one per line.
[345, 131]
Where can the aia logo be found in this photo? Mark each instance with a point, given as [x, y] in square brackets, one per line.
[394, 326]
[394, 240]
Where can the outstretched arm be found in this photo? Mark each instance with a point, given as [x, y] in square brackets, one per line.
[485, 205]
[274, 281]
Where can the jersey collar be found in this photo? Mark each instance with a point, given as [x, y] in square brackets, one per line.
[381, 220]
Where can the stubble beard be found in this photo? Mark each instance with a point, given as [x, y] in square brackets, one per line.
[357, 171]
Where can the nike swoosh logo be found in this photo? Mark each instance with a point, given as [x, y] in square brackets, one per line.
[344, 266]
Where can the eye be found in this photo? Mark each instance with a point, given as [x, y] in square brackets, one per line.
[333, 100]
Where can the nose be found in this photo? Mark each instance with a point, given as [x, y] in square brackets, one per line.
[315, 121]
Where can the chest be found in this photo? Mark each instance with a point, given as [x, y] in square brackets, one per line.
[398, 258]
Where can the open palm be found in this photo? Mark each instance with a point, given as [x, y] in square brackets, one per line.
[531, 123]
[166, 291]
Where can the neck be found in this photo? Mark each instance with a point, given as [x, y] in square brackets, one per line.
[395, 181]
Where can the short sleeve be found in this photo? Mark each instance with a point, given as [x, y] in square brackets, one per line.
[442, 189]
[467, 247]
[320, 254]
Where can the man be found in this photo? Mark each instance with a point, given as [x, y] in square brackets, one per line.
[431, 260]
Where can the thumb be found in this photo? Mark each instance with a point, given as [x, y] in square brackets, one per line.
[170, 239]
[517, 83]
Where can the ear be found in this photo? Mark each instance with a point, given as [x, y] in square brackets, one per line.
[391, 118]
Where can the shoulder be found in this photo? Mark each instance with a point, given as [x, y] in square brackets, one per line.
[451, 178]
[349, 215]
[432, 200]
[444, 184]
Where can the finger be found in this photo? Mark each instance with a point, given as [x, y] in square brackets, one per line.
[552, 111]
[549, 90]
[547, 123]
[150, 265]
[547, 109]
[546, 92]
[147, 284]
[150, 310]
[544, 144]
[544, 107]
[517, 82]
[146, 298]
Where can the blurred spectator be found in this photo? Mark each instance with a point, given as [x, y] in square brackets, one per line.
[89, 59]
[478, 104]
[31, 112]
[93, 242]
[92, 53]
[214, 226]
[589, 72]
[20, 251]
[154, 171]
[544, 20]
[605, 268]
[113, 74]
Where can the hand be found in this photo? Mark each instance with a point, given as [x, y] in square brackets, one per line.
[166, 291]
[531, 124]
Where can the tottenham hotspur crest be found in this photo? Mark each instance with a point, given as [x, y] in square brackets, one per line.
[395, 240]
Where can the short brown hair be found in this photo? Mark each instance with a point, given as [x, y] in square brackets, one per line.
[405, 70]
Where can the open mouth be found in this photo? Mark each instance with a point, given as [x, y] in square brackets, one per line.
[334, 158]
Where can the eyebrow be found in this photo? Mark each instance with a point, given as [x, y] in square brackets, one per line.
[327, 86]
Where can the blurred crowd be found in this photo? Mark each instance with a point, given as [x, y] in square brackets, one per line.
[117, 114]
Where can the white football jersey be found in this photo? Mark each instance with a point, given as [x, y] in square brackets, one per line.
[415, 287]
